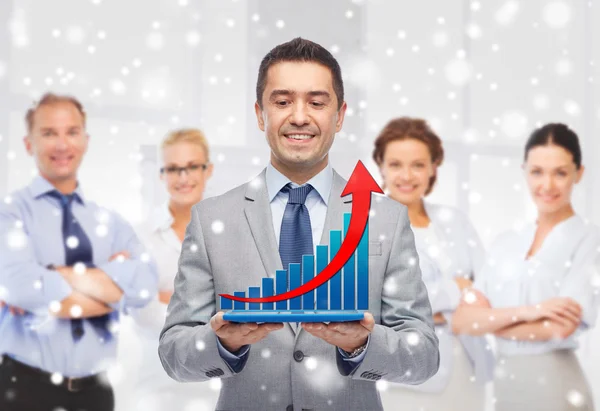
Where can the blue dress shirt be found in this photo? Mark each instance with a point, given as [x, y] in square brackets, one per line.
[316, 203]
[31, 239]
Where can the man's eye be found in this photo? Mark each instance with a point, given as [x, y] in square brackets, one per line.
[317, 104]
[172, 170]
[282, 103]
[193, 167]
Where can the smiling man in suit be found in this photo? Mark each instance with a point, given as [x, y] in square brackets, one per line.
[270, 222]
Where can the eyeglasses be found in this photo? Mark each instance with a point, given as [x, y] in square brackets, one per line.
[173, 171]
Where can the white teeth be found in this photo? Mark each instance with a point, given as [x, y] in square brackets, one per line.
[299, 136]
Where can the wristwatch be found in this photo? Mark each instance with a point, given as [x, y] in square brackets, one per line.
[356, 352]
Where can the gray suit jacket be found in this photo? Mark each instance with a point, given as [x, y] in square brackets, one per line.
[291, 369]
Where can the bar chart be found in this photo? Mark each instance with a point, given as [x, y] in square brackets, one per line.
[344, 297]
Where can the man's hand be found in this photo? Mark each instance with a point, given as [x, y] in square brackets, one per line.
[13, 310]
[122, 255]
[165, 296]
[234, 336]
[346, 335]
[439, 319]
[463, 283]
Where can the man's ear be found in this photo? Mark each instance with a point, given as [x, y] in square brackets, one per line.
[28, 145]
[580, 174]
[340, 117]
[259, 116]
[87, 143]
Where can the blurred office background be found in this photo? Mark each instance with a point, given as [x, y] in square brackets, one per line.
[483, 73]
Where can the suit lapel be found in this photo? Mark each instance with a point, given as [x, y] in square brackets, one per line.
[260, 220]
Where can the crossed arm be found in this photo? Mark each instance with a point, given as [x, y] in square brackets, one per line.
[126, 280]
[93, 292]
[555, 318]
[91, 296]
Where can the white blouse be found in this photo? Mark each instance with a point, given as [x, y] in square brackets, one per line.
[566, 265]
[448, 248]
[165, 247]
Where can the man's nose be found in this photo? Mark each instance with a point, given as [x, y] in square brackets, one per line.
[62, 142]
[299, 116]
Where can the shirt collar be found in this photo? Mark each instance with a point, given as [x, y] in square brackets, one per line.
[321, 183]
[40, 186]
[161, 218]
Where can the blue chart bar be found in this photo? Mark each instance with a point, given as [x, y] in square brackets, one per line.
[295, 282]
[226, 303]
[335, 284]
[280, 288]
[362, 267]
[239, 305]
[254, 292]
[268, 290]
[308, 273]
[322, 290]
[349, 273]
[343, 297]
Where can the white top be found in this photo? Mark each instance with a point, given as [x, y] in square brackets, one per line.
[450, 247]
[164, 245]
[567, 265]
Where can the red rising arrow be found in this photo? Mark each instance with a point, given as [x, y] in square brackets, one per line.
[360, 185]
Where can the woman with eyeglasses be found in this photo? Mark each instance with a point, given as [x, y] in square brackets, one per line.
[408, 153]
[539, 286]
[185, 170]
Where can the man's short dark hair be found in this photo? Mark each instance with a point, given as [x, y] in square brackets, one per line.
[300, 50]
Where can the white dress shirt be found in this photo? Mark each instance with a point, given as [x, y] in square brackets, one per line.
[566, 265]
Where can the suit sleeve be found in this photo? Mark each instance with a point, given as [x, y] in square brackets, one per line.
[403, 347]
[188, 348]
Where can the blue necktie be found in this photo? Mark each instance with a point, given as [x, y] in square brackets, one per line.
[78, 249]
[295, 238]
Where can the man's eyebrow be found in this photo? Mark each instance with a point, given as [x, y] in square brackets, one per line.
[314, 93]
[319, 93]
[281, 92]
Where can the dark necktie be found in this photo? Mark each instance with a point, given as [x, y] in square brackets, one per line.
[78, 249]
[295, 238]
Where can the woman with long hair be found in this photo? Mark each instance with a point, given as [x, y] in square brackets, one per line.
[538, 288]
